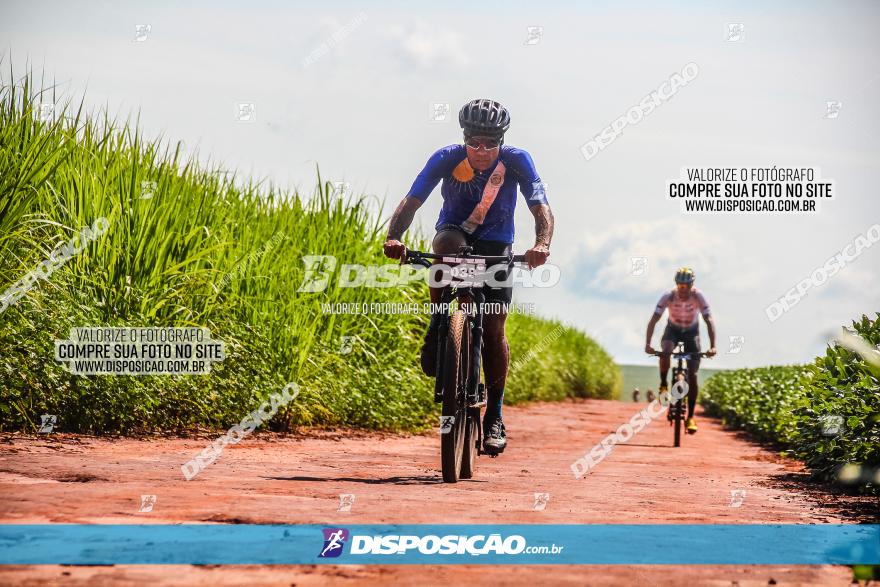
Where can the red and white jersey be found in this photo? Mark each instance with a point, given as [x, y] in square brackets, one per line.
[683, 312]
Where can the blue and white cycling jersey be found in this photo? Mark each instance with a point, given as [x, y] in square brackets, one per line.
[484, 212]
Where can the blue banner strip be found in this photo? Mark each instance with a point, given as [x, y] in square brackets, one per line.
[727, 544]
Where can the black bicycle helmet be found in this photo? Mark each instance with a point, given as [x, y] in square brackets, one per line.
[685, 275]
[484, 117]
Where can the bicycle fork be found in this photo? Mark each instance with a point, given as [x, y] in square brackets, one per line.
[679, 373]
[476, 391]
[442, 332]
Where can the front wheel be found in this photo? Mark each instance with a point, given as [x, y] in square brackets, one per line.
[680, 391]
[471, 444]
[677, 435]
[456, 366]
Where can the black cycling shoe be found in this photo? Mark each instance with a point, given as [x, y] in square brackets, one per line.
[429, 351]
[494, 437]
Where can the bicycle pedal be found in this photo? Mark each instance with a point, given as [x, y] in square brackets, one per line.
[480, 404]
[493, 452]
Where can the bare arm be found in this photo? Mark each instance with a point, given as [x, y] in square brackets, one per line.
[399, 223]
[655, 318]
[403, 217]
[710, 325]
[543, 224]
[538, 254]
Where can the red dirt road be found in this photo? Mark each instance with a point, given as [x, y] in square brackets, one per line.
[396, 479]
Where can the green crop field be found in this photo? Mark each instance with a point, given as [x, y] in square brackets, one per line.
[826, 413]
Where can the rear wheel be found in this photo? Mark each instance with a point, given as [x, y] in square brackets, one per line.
[455, 371]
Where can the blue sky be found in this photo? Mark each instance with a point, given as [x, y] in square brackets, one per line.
[361, 110]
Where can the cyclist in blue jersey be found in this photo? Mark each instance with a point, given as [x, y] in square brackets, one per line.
[479, 181]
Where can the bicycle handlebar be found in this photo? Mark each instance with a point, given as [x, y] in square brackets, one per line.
[420, 258]
[683, 355]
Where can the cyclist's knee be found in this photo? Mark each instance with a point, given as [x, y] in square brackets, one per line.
[448, 241]
[494, 340]
[667, 345]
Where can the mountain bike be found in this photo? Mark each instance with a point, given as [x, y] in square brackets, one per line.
[459, 351]
[679, 389]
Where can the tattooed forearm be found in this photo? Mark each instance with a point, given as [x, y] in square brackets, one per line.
[543, 224]
[402, 217]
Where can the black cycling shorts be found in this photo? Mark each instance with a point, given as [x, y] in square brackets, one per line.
[489, 248]
[689, 335]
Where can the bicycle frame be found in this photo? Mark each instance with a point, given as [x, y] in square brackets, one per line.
[472, 297]
[680, 380]
[469, 395]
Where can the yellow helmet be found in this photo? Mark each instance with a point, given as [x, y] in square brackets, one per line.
[685, 275]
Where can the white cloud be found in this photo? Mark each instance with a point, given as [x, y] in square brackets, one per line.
[604, 260]
[855, 279]
[626, 330]
[430, 47]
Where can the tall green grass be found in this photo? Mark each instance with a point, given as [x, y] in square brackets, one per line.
[207, 249]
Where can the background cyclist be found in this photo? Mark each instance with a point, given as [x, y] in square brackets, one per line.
[479, 184]
[685, 304]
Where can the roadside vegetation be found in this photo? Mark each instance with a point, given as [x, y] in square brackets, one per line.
[192, 245]
[826, 413]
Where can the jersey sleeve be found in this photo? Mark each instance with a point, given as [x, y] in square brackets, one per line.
[662, 304]
[435, 169]
[533, 189]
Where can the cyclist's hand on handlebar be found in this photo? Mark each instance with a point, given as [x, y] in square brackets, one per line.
[712, 352]
[649, 349]
[537, 255]
[394, 249]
